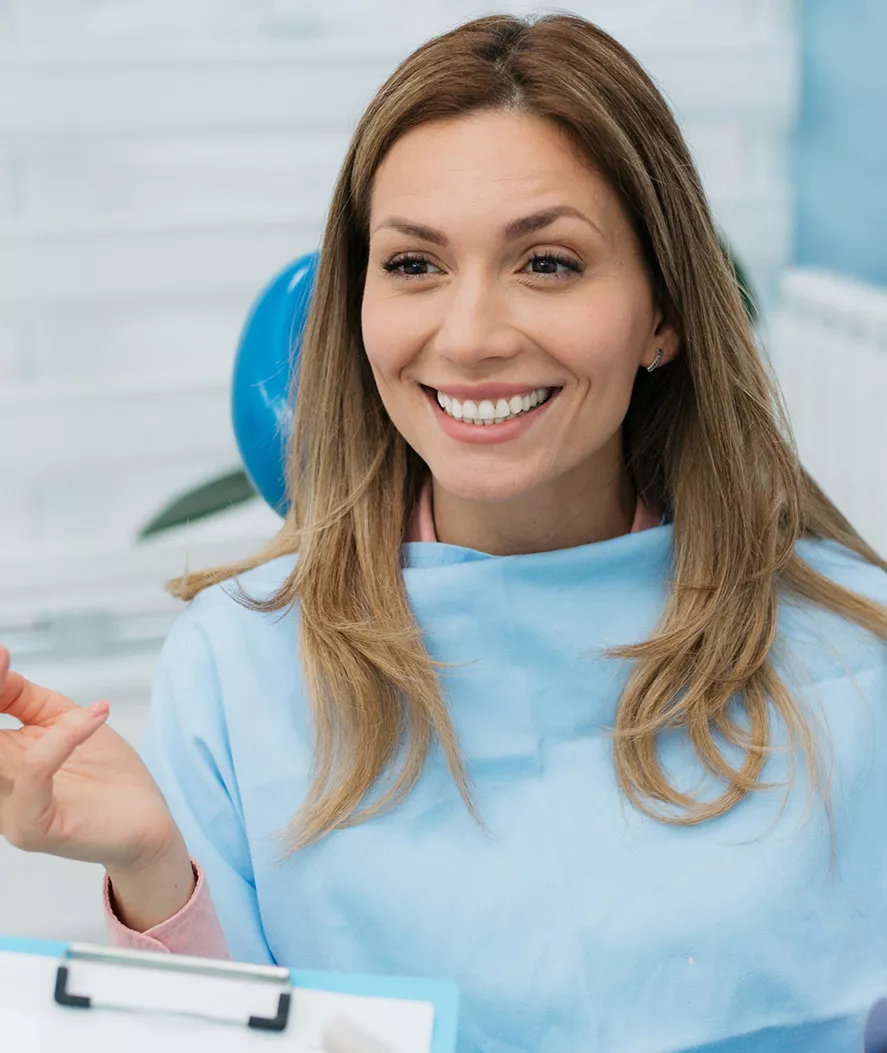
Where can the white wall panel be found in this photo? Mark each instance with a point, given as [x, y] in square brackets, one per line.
[43, 268]
[72, 25]
[12, 352]
[55, 429]
[744, 155]
[193, 341]
[830, 354]
[21, 517]
[172, 178]
[88, 466]
[101, 95]
[125, 580]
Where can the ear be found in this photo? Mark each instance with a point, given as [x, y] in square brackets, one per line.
[665, 336]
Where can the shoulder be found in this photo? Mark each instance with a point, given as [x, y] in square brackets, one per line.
[229, 676]
[845, 568]
[218, 633]
[228, 597]
[225, 607]
[828, 645]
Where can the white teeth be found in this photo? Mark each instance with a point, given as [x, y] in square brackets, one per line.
[489, 412]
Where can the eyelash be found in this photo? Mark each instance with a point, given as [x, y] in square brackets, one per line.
[392, 265]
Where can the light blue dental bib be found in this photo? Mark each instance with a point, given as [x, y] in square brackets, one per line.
[572, 923]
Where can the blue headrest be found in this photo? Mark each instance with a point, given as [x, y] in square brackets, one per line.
[266, 359]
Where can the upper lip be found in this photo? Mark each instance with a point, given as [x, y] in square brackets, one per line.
[489, 391]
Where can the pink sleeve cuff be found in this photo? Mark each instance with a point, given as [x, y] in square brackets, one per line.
[195, 929]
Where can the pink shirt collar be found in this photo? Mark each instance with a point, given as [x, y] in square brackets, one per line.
[421, 527]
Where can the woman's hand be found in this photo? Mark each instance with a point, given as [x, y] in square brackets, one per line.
[72, 787]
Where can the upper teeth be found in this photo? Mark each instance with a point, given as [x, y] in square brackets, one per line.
[489, 412]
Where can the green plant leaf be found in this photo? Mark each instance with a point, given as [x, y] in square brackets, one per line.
[211, 497]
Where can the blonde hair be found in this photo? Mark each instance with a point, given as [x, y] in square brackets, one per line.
[705, 438]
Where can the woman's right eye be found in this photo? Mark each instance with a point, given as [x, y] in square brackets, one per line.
[409, 265]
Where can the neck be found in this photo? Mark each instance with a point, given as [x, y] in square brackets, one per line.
[577, 509]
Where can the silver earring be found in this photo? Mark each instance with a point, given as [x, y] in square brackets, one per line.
[656, 361]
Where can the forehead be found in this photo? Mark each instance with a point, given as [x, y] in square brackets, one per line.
[490, 162]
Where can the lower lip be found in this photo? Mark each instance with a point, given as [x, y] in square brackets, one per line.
[505, 431]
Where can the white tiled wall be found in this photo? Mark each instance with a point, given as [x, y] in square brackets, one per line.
[160, 160]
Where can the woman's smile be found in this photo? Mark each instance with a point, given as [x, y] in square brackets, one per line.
[489, 414]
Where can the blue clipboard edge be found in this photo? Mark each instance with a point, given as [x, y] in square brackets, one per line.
[442, 994]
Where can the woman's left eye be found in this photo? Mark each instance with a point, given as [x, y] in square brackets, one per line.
[547, 264]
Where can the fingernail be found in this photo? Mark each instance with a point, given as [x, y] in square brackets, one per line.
[98, 709]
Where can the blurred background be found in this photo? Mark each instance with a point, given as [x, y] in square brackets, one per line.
[161, 160]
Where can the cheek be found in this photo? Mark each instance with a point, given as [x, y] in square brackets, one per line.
[600, 343]
[388, 344]
[372, 329]
[389, 336]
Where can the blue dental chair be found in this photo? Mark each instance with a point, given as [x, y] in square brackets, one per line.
[267, 357]
[261, 404]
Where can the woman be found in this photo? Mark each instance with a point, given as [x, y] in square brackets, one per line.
[562, 679]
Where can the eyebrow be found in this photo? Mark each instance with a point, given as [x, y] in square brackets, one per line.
[517, 228]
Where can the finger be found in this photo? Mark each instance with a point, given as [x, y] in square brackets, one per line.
[31, 796]
[27, 702]
[344, 1036]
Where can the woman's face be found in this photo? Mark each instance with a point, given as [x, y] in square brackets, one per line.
[507, 308]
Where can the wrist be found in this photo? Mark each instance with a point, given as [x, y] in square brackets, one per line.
[154, 888]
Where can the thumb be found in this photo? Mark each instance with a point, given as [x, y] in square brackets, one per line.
[26, 702]
[32, 795]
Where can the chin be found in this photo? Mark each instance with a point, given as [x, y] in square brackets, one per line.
[486, 488]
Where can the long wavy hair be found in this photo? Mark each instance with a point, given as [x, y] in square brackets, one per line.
[704, 437]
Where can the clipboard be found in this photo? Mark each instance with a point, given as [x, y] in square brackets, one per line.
[100, 998]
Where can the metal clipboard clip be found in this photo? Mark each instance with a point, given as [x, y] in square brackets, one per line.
[259, 995]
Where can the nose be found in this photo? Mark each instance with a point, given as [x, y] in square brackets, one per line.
[475, 326]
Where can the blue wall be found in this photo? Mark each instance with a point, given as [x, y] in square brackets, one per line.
[841, 158]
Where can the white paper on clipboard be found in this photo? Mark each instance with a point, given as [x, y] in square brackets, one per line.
[31, 1022]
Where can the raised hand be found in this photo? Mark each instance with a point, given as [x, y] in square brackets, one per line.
[69, 785]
